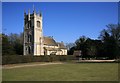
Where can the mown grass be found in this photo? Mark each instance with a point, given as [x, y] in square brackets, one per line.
[64, 72]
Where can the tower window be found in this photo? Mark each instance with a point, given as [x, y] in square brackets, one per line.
[29, 38]
[28, 24]
[31, 23]
[38, 23]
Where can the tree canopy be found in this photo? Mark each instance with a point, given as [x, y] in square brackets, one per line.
[108, 44]
[12, 44]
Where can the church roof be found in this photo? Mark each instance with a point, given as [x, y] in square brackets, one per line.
[49, 41]
[61, 45]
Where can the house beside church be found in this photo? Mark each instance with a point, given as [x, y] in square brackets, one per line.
[34, 41]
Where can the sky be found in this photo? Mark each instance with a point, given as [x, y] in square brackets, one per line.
[65, 21]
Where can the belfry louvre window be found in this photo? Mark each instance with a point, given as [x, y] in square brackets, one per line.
[38, 23]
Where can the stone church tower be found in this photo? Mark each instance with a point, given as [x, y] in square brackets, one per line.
[33, 36]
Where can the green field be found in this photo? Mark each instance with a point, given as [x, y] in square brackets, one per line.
[64, 72]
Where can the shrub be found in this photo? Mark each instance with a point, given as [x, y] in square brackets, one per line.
[14, 59]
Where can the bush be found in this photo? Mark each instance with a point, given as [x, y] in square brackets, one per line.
[14, 59]
[11, 59]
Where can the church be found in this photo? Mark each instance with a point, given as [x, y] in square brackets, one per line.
[34, 42]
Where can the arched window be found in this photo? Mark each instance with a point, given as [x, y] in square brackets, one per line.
[38, 23]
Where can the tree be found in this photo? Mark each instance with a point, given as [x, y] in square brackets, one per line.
[17, 42]
[7, 48]
[70, 45]
[99, 48]
[81, 45]
[87, 46]
[71, 48]
[111, 40]
[12, 44]
[80, 42]
[91, 48]
[71, 51]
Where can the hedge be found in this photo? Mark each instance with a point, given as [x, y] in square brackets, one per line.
[14, 59]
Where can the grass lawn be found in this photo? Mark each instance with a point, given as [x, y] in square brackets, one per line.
[64, 72]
